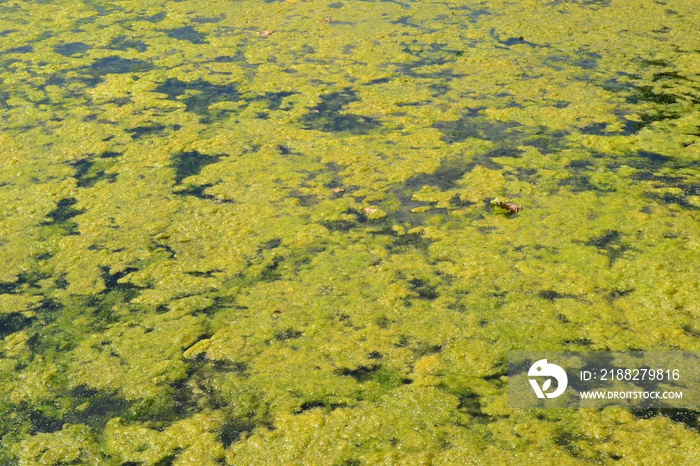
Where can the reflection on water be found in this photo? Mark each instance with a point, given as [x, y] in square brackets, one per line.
[262, 232]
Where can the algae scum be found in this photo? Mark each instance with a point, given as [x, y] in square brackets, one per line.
[226, 247]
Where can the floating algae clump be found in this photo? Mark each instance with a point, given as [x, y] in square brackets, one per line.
[223, 246]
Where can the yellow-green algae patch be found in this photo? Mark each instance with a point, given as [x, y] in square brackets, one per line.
[224, 246]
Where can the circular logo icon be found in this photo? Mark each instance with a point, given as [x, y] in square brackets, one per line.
[542, 368]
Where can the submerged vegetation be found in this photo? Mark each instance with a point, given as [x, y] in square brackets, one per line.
[221, 246]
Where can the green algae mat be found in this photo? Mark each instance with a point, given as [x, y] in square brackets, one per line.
[308, 232]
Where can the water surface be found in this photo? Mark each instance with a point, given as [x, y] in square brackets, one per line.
[263, 232]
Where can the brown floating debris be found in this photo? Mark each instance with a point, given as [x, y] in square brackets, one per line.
[511, 207]
[265, 33]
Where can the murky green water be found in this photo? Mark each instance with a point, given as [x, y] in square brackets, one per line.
[262, 232]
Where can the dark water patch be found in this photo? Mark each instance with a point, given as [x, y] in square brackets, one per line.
[647, 94]
[233, 430]
[582, 59]
[383, 322]
[595, 2]
[670, 75]
[274, 99]
[4, 96]
[157, 18]
[82, 167]
[475, 125]
[579, 183]
[207, 274]
[126, 43]
[327, 116]
[118, 65]
[615, 294]
[605, 240]
[139, 131]
[61, 216]
[61, 282]
[200, 94]
[584, 164]
[101, 407]
[505, 152]
[423, 289]
[187, 33]
[445, 177]
[611, 244]
[411, 21]
[433, 54]
[669, 198]
[653, 62]
[569, 442]
[690, 418]
[585, 342]
[648, 160]
[233, 367]
[12, 288]
[510, 41]
[630, 127]
[458, 202]
[438, 90]
[474, 14]
[552, 295]
[547, 142]
[687, 186]
[50, 306]
[647, 118]
[89, 171]
[21, 49]
[198, 192]
[42, 422]
[409, 241]
[305, 200]
[597, 129]
[111, 281]
[526, 174]
[306, 406]
[470, 403]
[269, 272]
[420, 349]
[101, 307]
[13, 322]
[191, 163]
[379, 81]
[339, 225]
[156, 247]
[353, 219]
[160, 410]
[288, 334]
[599, 3]
[269, 245]
[362, 373]
[695, 333]
[167, 460]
